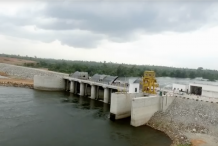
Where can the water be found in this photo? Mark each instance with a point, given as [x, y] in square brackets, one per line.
[36, 118]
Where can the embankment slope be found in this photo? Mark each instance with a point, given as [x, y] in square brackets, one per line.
[187, 116]
[27, 73]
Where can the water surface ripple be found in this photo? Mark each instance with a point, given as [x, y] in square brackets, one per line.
[37, 118]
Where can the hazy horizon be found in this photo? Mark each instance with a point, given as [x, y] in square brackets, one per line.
[106, 62]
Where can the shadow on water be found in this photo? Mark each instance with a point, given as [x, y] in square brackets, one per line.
[136, 134]
[64, 119]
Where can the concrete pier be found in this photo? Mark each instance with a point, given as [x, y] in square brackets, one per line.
[93, 91]
[82, 89]
[106, 95]
[143, 108]
[72, 87]
[121, 105]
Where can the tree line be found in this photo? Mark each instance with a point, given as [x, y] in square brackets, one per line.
[116, 69]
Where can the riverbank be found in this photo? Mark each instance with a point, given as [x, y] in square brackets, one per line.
[175, 135]
[188, 122]
[19, 76]
[13, 82]
[22, 72]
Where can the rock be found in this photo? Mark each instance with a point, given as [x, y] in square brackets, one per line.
[193, 130]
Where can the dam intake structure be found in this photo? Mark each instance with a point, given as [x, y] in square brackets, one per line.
[125, 97]
[166, 111]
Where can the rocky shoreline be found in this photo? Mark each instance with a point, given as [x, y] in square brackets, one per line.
[26, 72]
[15, 84]
[185, 117]
[175, 135]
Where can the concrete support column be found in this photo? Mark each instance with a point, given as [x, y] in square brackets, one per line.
[93, 91]
[72, 87]
[82, 89]
[106, 95]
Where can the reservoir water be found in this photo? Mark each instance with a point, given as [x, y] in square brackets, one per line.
[36, 118]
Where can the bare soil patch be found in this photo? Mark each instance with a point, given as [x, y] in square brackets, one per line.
[15, 61]
[3, 74]
[202, 139]
[18, 81]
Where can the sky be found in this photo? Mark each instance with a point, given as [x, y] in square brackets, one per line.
[175, 33]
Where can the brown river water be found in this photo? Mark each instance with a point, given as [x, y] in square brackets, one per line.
[36, 118]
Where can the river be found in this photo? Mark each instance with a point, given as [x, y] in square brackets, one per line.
[36, 118]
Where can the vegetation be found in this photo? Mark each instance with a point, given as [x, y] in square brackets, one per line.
[115, 69]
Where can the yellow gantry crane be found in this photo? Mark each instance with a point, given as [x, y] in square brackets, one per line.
[149, 82]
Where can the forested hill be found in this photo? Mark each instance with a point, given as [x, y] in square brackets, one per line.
[109, 68]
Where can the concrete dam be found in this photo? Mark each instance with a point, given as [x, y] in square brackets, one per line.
[124, 96]
[179, 105]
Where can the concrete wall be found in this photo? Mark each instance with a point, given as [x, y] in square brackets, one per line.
[143, 108]
[49, 83]
[210, 94]
[121, 104]
[180, 86]
[207, 90]
[166, 101]
[26, 72]
[133, 86]
[205, 87]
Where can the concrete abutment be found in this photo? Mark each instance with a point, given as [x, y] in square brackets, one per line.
[141, 108]
[49, 83]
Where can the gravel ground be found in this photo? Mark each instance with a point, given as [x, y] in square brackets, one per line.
[187, 116]
[25, 72]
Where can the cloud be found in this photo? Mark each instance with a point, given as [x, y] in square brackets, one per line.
[86, 24]
[123, 18]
